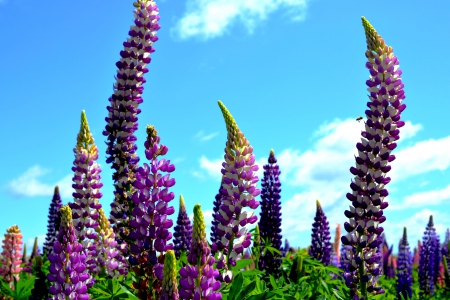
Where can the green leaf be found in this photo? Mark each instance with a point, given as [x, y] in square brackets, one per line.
[236, 286]
[251, 272]
[273, 282]
[247, 290]
[240, 264]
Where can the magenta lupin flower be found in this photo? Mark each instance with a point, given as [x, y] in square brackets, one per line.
[53, 222]
[372, 164]
[149, 222]
[239, 192]
[68, 275]
[183, 231]
[198, 278]
[11, 255]
[123, 110]
[86, 182]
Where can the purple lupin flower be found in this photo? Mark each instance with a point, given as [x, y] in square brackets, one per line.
[239, 192]
[445, 245]
[404, 268]
[372, 163]
[53, 222]
[285, 247]
[320, 237]
[149, 221]
[215, 222]
[270, 221]
[123, 110]
[427, 260]
[198, 278]
[183, 231]
[86, 182]
[69, 275]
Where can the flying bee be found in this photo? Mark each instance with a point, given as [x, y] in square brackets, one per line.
[359, 118]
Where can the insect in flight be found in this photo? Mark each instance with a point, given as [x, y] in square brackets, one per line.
[359, 119]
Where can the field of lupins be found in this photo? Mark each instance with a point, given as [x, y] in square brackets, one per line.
[133, 254]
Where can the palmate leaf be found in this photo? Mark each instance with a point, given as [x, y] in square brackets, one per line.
[111, 289]
[22, 288]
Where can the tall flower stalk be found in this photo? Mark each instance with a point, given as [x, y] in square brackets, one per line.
[404, 269]
[198, 278]
[183, 230]
[123, 110]
[320, 237]
[11, 257]
[53, 222]
[368, 194]
[270, 221]
[69, 275]
[427, 260]
[149, 220]
[239, 192]
[86, 182]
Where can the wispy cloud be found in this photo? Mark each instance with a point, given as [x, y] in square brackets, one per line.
[212, 18]
[434, 197]
[29, 184]
[209, 169]
[203, 138]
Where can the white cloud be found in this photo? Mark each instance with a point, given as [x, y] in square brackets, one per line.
[433, 197]
[203, 138]
[29, 185]
[415, 226]
[422, 157]
[212, 168]
[212, 18]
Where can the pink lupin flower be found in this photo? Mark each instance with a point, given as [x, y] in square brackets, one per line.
[12, 254]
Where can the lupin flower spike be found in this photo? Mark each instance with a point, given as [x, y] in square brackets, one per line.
[214, 236]
[239, 192]
[286, 247]
[86, 182]
[170, 282]
[11, 257]
[150, 223]
[68, 275]
[270, 221]
[320, 237]
[427, 260]
[109, 259]
[198, 278]
[183, 230]
[404, 268]
[372, 164]
[123, 110]
[53, 222]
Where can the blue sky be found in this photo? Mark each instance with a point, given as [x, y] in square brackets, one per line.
[290, 71]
